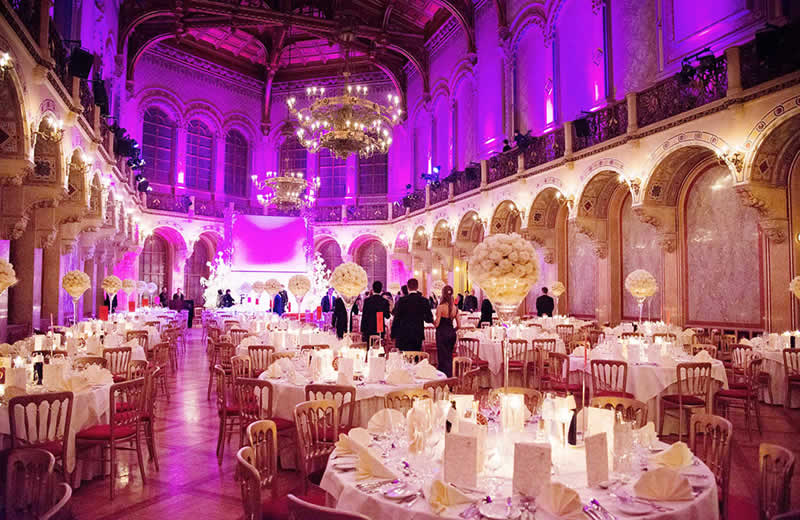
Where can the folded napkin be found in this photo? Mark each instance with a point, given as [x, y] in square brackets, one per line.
[274, 371]
[676, 456]
[703, 357]
[579, 351]
[354, 442]
[647, 434]
[424, 370]
[663, 484]
[298, 379]
[559, 500]
[368, 466]
[444, 495]
[745, 341]
[114, 340]
[418, 424]
[97, 375]
[386, 420]
[76, 383]
[399, 377]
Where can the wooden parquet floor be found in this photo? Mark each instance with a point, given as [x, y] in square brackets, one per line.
[190, 485]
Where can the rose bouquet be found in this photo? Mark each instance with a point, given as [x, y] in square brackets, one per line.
[272, 287]
[258, 287]
[129, 286]
[152, 287]
[7, 275]
[349, 279]
[557, 288]
[642, 285]
[794, 286]
[141, 287]
[111, 284]
[299, 285]
[76, 283]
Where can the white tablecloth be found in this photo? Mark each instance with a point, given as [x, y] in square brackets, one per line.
[770, 347]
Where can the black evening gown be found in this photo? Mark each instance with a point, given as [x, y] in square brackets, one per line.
[445, 343]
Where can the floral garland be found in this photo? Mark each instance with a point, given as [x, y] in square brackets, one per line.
[7, 276]
[129, 286]
[794, 286]
[557, 289]
[505, 266]
[111, 284]
[273, 287]
[299, 285]
[349, 279]
[76, 283]
[641, 284]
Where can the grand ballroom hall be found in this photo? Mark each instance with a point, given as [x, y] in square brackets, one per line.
[400, 259]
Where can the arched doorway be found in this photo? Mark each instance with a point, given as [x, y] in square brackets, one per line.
[154, 262]
[197, 268]
[372, 257]
[331, 253]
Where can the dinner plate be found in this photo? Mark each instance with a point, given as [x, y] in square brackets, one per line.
[635, 508]
[399, 492]
[499, 510]
[344, 466]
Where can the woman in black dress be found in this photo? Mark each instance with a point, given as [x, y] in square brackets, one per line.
[446, 324]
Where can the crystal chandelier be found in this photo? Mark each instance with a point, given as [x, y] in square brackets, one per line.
[286, 190]
[347, 123]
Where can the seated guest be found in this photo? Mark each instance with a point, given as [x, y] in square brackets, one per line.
[544, 304]
[220, 298]
[164, 297]
[470, 302]
[227, 300]
[486, 312]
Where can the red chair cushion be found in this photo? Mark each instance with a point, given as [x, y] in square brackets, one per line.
[794, 378]
[733, 393]
[516, 364]
[102, 432]
[609, 393]
[54, 447]
[278, 509]
[231, 410]
[120, 378]
[674, 399]
[281, 424]
[737, 386]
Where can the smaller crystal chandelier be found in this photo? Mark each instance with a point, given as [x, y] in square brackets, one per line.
[286, 190]
[5, 64]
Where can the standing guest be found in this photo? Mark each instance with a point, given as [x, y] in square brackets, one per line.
[388, 297]
[432, 300]
[163, 297]
[471, 302]
[278, 305]
[369, 313]
[486, 312]
[403, 292]
[446, 315]
[410, 315]
[506, 145]
[339, 317]
[227, 300]
[545, 304]
[327, 301]
[178, 296]
[220, 298]
[460, 302]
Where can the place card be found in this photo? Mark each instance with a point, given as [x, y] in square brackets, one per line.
[377, 369]
[478, 431]
[461, 460]
[596, 447]
[19, 377]
[532, 464]
[56, 341]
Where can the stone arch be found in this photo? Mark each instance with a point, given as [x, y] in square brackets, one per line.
[202, 111]
[370, 253]
[419, 241]
[470, 229]
[764, 127]
[47, 156]
[771, 162]
[13, 118]
[401, 243]
[442, 237]
[360, 240]
[164, 99]
[330, 251]
[507, 218]
[242, 123]
[531, 14]
[463, 71]
[77, 180]
[596, 194]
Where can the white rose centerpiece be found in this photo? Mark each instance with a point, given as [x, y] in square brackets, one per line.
[152, 287]
[129, 286]
[258, 288]
[557, 289]
[505, 266]
[111, 284]
[245, 288]
[272, 287]
[349, 279]
[7, 276]
[299, 285]
[794, 286]
[76, 283]
[642, 285]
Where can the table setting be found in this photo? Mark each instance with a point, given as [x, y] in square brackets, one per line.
[448, 459]
[770, 348]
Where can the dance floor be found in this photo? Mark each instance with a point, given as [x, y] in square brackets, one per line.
[191, 485]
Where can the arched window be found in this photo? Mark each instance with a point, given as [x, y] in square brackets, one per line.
[153, 261]
[158, 136]
[198, 156]
[236, 158]
[332, 175]
[373, 175]
[331, 253]
[293, 156]
[196, 268]
[372, 257]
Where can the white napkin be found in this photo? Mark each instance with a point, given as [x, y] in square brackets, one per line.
[274, 371]
[559, 500]
[386, 420]
[442, 496]
[399, 377]
[424, 370]
[97, 375]
[579, 351]
[369, 466]
[663, 484]
[703, 357]
[298, 379]
[354, 442]
[676, 456]
[647, 434]
[418, 424]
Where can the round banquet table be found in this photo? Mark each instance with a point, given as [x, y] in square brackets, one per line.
[570, 470]
[770, 348]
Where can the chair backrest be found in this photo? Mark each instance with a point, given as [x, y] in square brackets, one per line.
[403, 399]
[791, 362]
[49, 354]
[776, 466]
[441, 389]
[38, 419]
[161, 355]
[240, 367]
[225, 351]
[223, 392]
[343, 395]
[136, 368]
[470, 382]
[631, 409]
[415, 356]
[711, 349]
[84, 361]
[727, 342]
[517, 349]
[595, 336]
[118, 359]
[469, 347]
[547, 345]
[237, 335]
[259, 358]
[533, 398]
[263, 438]
[227, 325]
[461, 365]
[253, 397]
[126, 404]
[710, 440]
[302, 510]
[317, 424]
[740, 356]
[156, 324]
[313, 347]
[694, 379]
[249, 483]
[430, 333]
[558, 370]
[30, 485]
[140, 336]
[354, 337]
[274, 356]
[629, 335]
[151, 374]
[609, 375]
[565, 332]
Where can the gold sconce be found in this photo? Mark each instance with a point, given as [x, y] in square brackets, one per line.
[6, 63]
[53, 130]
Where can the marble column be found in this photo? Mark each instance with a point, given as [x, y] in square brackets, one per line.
[90, 268]
[23, 253]
[51, 285]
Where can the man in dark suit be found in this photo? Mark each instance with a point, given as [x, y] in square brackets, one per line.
[327, 301]
[410, 315]
[374, 304]
[278, 304]
[470, 302]
[339, 317]
[544, 304]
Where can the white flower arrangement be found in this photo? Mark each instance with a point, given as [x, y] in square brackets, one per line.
[299, 285]
[349, 279]
[437, 286]
[245, 288]
[111, 284]
[141, 287]
[794, 286]
[273, 287]
[557, 289]
[394, 287]
[641, 284]
[7, 275]
[76, 283]
[152, 287]
[505, 266]
[218, 275]
[129, 286]
[258, 287]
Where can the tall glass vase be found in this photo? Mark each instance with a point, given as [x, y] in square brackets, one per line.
[641, 305]
[506, 313]
[349, 301]
[75, 309]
